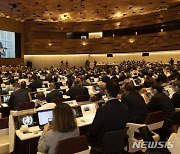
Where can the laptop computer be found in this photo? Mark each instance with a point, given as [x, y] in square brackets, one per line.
[45, 116]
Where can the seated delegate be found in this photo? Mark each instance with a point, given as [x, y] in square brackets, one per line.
[112, 116]
[64, 126]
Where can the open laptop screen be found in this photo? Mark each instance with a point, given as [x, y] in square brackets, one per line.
[45, 116]
[77, 111]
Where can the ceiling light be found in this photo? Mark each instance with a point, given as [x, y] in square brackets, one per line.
[118, 24]
[84, 43]
[50, 44]
[64, 16]
[118, 15]
[131, 40]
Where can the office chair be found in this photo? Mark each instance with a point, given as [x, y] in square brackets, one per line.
[176, 118]
[25, 106]
[4, 135]
[58, 100]
[5, 111]
[73, 145]
[177, 109]
[112, 142]
[154, 121]
[81, 98]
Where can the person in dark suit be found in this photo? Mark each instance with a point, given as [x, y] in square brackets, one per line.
[112, 116]
[171, 61]
[77, 89]
[161, 102]
[20, 95]
[36, 83]
[136, 104]
[99, 95]
[54, 94]
[176, 96]
[57, 84]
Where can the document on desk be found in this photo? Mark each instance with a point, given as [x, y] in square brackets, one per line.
[66, 97]
[25, 136]
[84, 121]
[71, 103]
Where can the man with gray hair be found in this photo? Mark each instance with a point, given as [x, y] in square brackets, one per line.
[54, 94]
[77, 89]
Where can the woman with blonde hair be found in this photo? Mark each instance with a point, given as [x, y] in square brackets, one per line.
[64, 126]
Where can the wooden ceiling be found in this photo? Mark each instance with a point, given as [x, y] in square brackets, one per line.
[80, 10]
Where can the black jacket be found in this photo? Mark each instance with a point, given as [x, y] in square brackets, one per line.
[137, 107]
[19, 96]
[161, 102]
[176, 99]
[97, 97]
[53, 95]
[76, 91]
[112, 116]
[35, 84]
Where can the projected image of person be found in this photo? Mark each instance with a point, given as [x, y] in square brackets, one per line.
[8, 43]
[1, 49]
[1, 46]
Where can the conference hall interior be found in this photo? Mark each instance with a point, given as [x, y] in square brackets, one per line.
[89, 76]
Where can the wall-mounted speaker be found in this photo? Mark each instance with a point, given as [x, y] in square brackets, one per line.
[145, 54]
[109, 55]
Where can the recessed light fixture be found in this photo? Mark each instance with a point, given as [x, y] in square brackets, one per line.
[118, 15]
[84, 43]
[64, 16]
[118, 24]
[131, 40]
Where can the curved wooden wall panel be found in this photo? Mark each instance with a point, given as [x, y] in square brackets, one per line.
[169, 40]
[38, 36]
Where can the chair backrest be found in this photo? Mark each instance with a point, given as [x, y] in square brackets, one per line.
[72, 145]
[4, 123]
[58, 100]
[113, 142]
[25, 106]
[81, 98]
[6, 111]
[154, 120]
[176, 118]
[154, 117]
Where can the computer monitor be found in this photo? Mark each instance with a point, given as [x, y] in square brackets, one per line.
[77, 111]
[96, 87]
[6, 99]
[45, 116]
[33, 95]
[28, 119]
[62, 91]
